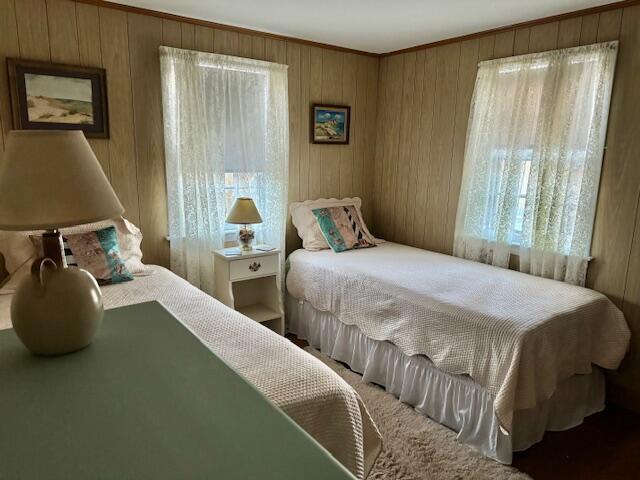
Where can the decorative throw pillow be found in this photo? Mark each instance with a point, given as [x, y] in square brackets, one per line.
[19, 247]
[305, 221]
[97, 252]
[343, 228]
[129, 240]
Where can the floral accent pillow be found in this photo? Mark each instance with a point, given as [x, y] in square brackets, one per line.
[96, 252]
[342, 228]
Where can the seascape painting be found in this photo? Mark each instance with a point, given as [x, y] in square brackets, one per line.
[54, 96]
[330, 124]
[56, 99]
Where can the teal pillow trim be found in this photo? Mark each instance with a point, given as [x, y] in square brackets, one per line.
[329, 230]
[108, 239]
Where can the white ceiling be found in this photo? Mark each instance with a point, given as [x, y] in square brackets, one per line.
[377, 26]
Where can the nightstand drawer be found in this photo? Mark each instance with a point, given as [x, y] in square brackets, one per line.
[253, 267]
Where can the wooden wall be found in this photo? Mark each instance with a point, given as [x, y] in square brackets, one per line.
[126, 45]
[407, 168]
[423, 108]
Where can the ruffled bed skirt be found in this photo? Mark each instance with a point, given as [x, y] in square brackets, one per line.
[452, 400]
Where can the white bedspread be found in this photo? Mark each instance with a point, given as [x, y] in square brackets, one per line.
[515, 334]
[306, 389]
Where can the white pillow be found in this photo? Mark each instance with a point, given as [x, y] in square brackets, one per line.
[129, 238]
[16, 249]
[305, 221]
[14, 246]
[9, 288]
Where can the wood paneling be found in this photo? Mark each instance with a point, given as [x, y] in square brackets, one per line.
[543, 37]
[609, 25]
[349, 82]
[371, 68]
[204, 39]
[303, 119]
[246, 45]
[8, 48]
[422, 169]
[315, 96]
[122, 151]
[589, 29]
[617, 230]
[332, 63]
[171, 34]
[126, 45]
[426, 162]
[521, 41]
[90, 54]
[620, 178]
[469, 52]
[447, 64]
[404, 149]
[503, 45]
[188, 35]
[569, 32]
[63, 31]
[389, 134]
[294, 62]
[409, 119]
[33, 29]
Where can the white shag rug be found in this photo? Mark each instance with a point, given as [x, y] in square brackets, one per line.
[414, 446]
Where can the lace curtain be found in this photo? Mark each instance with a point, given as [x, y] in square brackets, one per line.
[533, 157]
[221, 114]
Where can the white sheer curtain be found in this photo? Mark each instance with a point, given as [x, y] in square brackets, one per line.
[533, 157]
[221, 114]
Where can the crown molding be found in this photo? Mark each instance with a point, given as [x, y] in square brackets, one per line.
[222, 26]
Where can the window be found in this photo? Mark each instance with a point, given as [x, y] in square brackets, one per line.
[245, 125]
[226, 133]
[533, 159]
[524, 155]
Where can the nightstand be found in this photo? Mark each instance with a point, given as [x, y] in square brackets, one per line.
[250, 284]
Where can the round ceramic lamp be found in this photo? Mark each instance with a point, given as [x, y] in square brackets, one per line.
[244, 212]
[49, 180]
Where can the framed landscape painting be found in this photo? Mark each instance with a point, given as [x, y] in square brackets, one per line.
[49, 96]
[330, 124]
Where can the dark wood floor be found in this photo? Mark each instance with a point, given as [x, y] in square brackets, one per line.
[605, 447]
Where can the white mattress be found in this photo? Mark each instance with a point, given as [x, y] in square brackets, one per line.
[306, 389]
[517, 335]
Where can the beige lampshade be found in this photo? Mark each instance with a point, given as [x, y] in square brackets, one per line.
[52, 179]
[244, 211]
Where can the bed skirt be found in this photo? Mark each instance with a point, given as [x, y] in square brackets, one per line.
[455, 401]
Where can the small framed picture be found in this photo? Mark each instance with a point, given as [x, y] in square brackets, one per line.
[330, 124]
[50, 96]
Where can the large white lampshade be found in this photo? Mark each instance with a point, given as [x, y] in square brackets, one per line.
[51, 179]
[243, 211]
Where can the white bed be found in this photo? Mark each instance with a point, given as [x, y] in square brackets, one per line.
[307, 390]
[494, 354]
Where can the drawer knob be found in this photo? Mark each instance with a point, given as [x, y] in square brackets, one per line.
[254, 267]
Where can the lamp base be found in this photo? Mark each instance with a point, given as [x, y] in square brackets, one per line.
[245, 238]
[53, 247]
[56, 311]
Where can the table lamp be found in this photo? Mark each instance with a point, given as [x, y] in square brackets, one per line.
[51, 179]
[244, 212]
